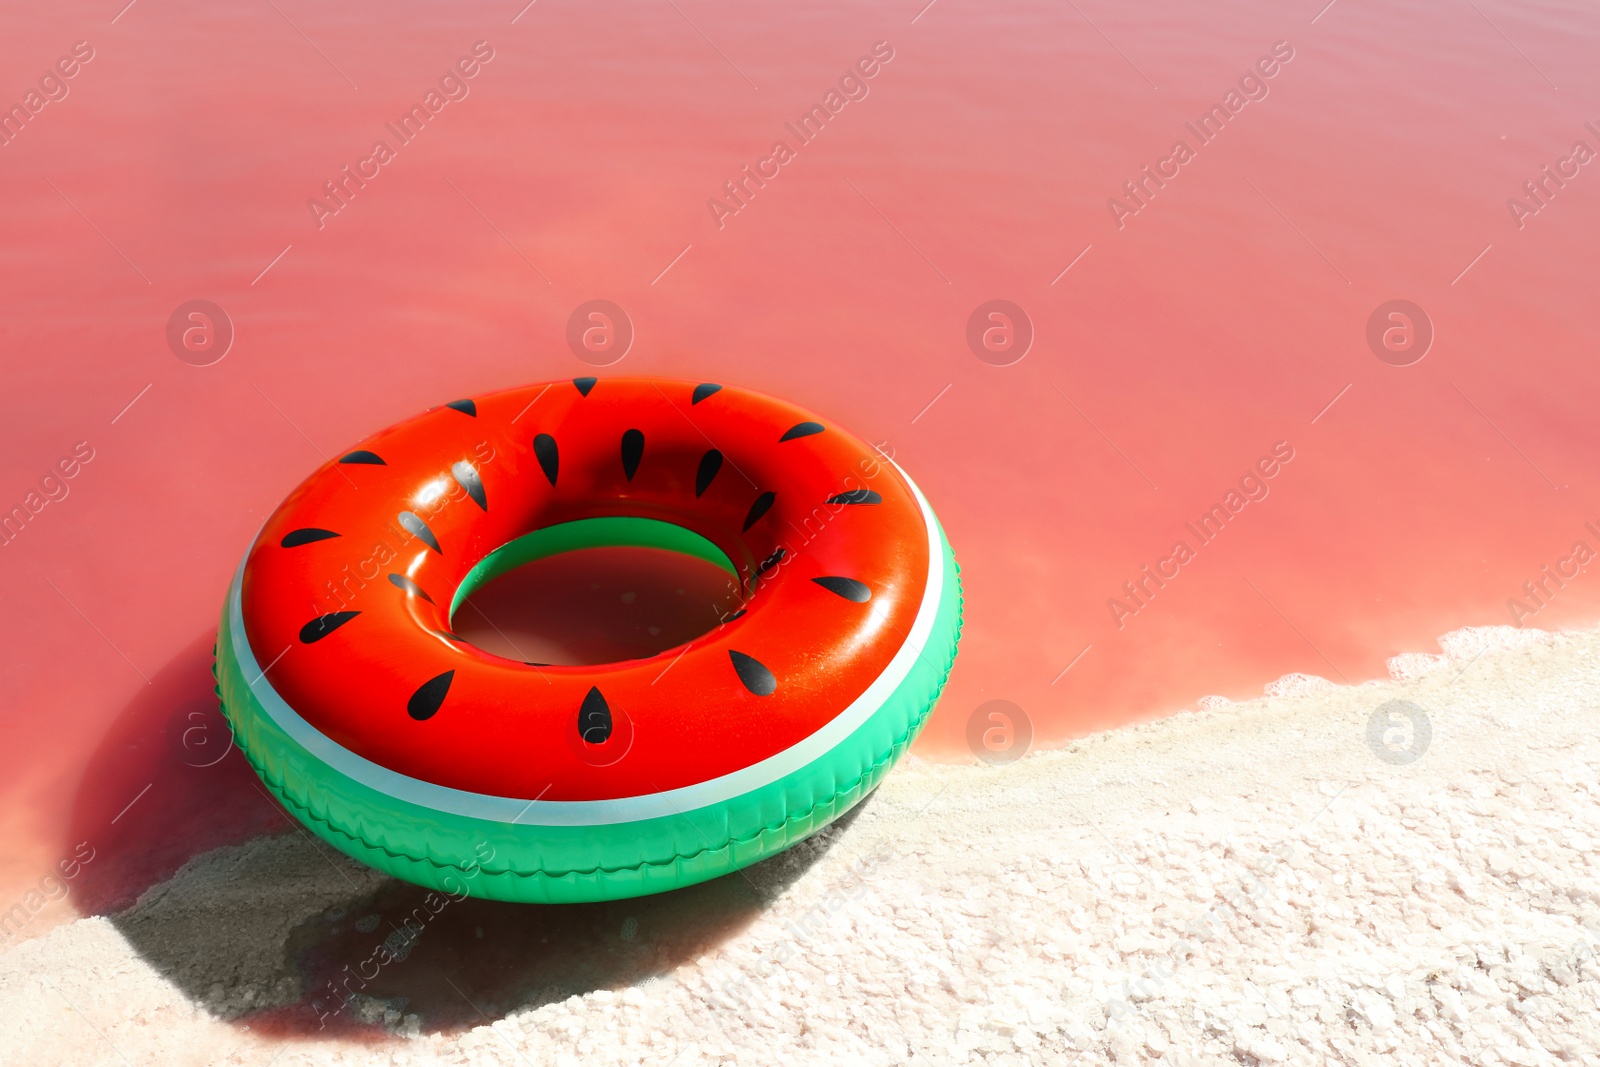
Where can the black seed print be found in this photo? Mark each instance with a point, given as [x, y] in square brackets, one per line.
[803, 429]
[702, 391]
[429, 695]
[361, 455]
[632, 451]
[466, 476]
[419, 529]
[305, 536]
[759, 508]
[594, 718]
[856, 496]
[544, 446]
[466, 407]
[323, 625]
[710, 464]
[754, 674]
[848, 588]
[584, 384]
[771, 562]
[400, 581]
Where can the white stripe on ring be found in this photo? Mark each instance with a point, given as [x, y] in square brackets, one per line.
[622, 809]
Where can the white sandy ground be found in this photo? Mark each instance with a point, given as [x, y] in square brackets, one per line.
[1246, 884]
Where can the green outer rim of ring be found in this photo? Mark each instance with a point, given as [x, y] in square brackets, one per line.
[588, 533]
[465, 856]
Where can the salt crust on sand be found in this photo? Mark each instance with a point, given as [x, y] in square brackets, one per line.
[1246, 884]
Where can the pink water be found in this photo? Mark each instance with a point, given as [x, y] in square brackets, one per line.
[1170, 354]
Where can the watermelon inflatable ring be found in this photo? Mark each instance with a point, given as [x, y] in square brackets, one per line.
[439, 763]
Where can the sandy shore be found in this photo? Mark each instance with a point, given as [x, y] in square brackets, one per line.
[1253, 883]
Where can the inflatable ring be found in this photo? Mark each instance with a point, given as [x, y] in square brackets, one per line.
[447, 766]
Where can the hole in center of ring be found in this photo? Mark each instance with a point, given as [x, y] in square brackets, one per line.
[595, 592]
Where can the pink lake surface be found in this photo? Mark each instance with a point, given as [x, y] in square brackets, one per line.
[1174, 347]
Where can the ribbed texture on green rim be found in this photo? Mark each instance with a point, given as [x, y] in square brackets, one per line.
[565, 864]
